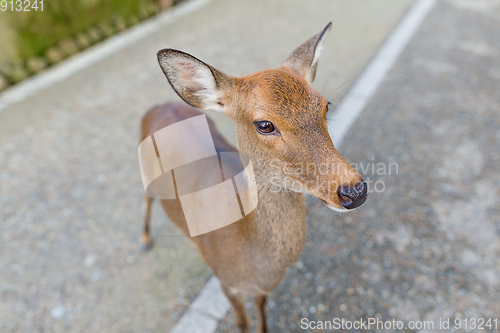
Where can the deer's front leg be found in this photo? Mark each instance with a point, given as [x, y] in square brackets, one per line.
[260, 302]
[240, 314]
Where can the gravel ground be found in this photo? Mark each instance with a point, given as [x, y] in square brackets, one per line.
[70, 188]
[428, 246]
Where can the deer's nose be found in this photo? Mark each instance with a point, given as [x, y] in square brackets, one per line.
[352, 197]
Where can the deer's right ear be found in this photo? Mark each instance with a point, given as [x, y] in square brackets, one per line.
[304, 59]
[198, 84]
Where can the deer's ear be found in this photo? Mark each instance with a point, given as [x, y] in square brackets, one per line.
[304, 59]
[198, 84]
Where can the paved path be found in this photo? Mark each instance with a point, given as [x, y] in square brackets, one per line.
[428, 246]
[70, 191]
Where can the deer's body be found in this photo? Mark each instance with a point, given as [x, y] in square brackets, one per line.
[281, 126]
[263, 244]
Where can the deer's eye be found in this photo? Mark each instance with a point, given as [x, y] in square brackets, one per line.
[264, 127]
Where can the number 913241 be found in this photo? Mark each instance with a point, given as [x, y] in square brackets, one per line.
[21, 5]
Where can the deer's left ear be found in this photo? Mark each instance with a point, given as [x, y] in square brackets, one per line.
[198, 84]
[304, 59]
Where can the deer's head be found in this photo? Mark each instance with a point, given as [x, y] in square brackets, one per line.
[280, 121]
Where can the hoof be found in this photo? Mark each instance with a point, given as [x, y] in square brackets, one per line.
[243, 329]
[146, 243]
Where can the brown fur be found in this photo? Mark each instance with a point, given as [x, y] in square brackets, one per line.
[251, 255]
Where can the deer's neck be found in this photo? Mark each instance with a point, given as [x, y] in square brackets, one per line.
[279, 223]
[279, 220]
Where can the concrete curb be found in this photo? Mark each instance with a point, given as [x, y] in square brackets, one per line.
[84, 59]
[208, 308]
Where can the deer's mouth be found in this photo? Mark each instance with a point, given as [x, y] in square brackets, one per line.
[335, 209]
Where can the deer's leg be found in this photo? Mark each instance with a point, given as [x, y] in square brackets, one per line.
[260, 302]
[240, 314]
[146, 240]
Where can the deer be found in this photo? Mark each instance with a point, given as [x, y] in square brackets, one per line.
[281, 125]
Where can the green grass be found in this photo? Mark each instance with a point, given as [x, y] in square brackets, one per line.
[36, 31]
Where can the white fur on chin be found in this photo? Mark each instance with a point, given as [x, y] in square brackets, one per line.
[335, 209]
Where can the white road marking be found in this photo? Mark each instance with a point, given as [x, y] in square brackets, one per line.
[366, 85]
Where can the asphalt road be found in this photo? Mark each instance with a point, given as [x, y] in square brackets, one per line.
[70, 188]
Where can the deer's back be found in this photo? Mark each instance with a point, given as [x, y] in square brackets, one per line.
[171, 113]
